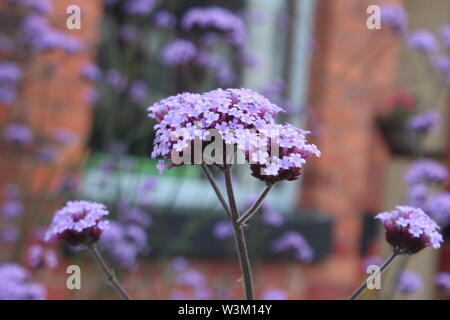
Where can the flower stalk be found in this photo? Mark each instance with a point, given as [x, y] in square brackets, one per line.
[363, 286]
[108, 273]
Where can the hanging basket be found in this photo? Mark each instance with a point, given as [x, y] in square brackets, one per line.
[399, 138]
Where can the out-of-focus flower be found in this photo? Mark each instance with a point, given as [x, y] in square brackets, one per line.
[47, 153]
[164, 19]
[443, 281]
[191, 278]
[64, 135]
[178, 52]
[128, 33]
[178, 264]
[91, 72]
[91, 96]
[215, 19]
[295, 241]
[15, 284]
[12, 209]
[138, 7]
[8, 234]
[18, 133]
[441, 64]
[445, 35]
[222, 230]
[438, 206]
[9, 72]
[116, 79]
[417, 195]
[274, 294]
[272, 218]
[409, 230]
[409, 282]
[138, 91]
[426, 171]
[394, 16]
[371, 261]
[78, 222]
[40, 256]
[425, 121]
[422, 40]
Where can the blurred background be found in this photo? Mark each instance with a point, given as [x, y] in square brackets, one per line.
[73, 125]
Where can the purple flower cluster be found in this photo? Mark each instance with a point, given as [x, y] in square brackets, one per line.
[222, 230]
[15, 284]
[178, 52]
[164, 19]
[443, 281]
[215, 19]
[441, 64]
[191, 279]
[40, 36]
[18, 133]
[138, 91]
[409, 230]
[409, 282]
[426, 171]
[295, 241]
[424, 122]
[138, 7]
[242, 118]
[40, 256]
[116, 79]
[274, 294]
[438, 206]
[422, 40]
[394, 16]
[78, 222]
[10, 75]
[445, 35]
[91, 72]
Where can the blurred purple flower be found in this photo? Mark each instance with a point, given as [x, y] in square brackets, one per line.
[191, 278]
[274, 294]
[114, 242]
[138, 7]
[443, 281]
[128, 33]
[91, 72]
[178, 264]
[272, 218]
[18, 133]
[9, 72]
[222, 230]
[426, 171]
[8, 234]
[422, 40]
[394, 16]
[445, 35]
[15, 284]
[294, 241]
[12, 209]
[64, 135]
[40, 256]
[215, 19]
[116, 79]
[47, 153]
[164, 19]
[438, 206]
[178, 52]
[409, 282]
[138, 91]
[417, 195]
[8, 93]
[441, 64]
[425, 121]
[91, 96]
[40, 6]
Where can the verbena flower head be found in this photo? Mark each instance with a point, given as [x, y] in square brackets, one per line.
[215, 19]
[18, 133]
[441, 64]
[40, 256]
[409, 282]
[426, 171]
[417, 195]
[422, 40]
[164, 19]
[409, 230]
[425, 121]
[438, 206]
[445, 35]
[91, 72]
[78, 222]
[294, 241]
[243, 119]
[443, 281]
[222, 229]
[138, 7]
[138, 91]
[15, 284]
[394, 16]
[178, 52]
[9, 73]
